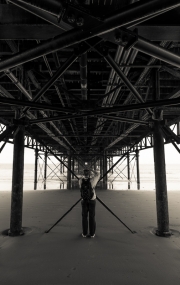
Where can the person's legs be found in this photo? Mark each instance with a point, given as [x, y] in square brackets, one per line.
[85, 208]
[92, 222]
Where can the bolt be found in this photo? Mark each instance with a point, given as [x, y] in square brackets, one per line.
[80, 21]
[71, 18]
[117, 38]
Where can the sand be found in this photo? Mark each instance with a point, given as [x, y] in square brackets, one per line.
[114, 256]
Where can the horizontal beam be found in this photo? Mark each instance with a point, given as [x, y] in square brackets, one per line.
[160, 33]
[40, 106]
[54, 7]
[28, 32]
[124, 119]
[107, 110]
[23, 11]
[86, 136]
[44, 32]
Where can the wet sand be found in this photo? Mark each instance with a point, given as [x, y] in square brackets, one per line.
[114, 256]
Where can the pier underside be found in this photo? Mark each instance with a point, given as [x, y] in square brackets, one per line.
[88, 80]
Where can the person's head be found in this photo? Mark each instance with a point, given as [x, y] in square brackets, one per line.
[86, 172]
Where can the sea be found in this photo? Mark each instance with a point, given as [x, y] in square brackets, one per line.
[116, 180]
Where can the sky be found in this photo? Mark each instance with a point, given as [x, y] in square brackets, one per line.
[172, 156]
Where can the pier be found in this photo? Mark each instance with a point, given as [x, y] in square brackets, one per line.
[91, 84]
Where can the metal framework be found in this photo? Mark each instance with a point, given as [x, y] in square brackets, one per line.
[85, 80]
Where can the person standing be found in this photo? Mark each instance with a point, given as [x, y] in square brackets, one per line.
[89, 204]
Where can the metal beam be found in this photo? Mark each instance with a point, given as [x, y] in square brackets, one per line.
[53, 79]
[17, 185]
[124, 119]
[114, 65]
[108, 110]
[41, 14]
[16, 29]
[54, 7]
[7, 133]
[160, 181]
[33, 134]
[14, 102]
[120, 18]
[156, 51]
[71, 94]
[100, 98]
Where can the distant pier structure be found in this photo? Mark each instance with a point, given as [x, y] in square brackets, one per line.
[88, 81]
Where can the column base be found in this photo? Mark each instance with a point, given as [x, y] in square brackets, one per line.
[163, 234]
[15, 234]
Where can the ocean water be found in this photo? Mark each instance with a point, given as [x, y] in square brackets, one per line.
[116, 181]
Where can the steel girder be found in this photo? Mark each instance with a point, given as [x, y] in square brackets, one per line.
[53, 7]
[102, 35]
[98, 111]
[121, 18]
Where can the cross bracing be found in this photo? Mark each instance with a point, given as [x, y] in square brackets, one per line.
[87, 76]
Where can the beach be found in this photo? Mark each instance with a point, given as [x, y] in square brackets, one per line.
[114, 256]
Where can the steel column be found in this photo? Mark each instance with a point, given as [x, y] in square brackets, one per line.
[73, 166]
[36, 169]
[17, 185]
[137, 168]
[45, 168]
[105, 170]
[160, 180]
[128, 171]
[69, 172]
[178, 128]
[111, 163]
[61, 171]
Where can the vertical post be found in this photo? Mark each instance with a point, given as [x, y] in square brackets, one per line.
[17, 184]
[73, 168]
[101, 165]
[68, 172]
[178, 128]
[137, 168]
[36, 168]
[63, 165]
[73, 162]
[111, 164]
[104, 170]
[45, 168]
[160, 180]
[60, 165]
[128, 171]
[101, 170]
